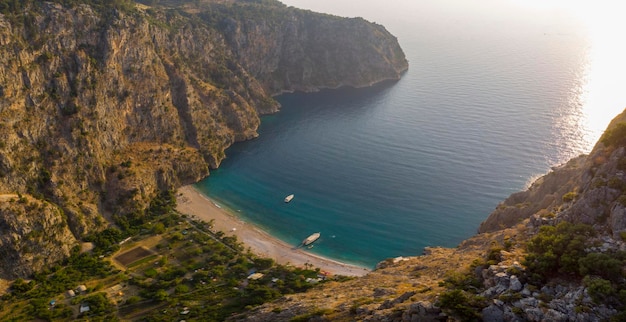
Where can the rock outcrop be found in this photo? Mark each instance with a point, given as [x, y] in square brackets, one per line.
[35, 234]
[306, 52]
[102, 106]
[587, 189]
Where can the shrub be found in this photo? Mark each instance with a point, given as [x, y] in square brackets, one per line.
[602, 265]
[557, 249]
[132, 300]
[599, 289]
[150, 272]
[570, 196]
[181, 288]
[465, 307]
[615, 136]
[463, 281]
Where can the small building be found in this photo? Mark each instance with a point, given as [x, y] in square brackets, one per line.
[70, 293]
[312, 280]
[84, 307]
[255, 276]
[81, 288]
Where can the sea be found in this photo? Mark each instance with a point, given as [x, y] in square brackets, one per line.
[497, 92]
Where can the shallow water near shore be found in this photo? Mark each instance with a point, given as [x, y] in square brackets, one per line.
[486, 105]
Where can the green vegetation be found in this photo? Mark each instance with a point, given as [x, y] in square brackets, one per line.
[570, 196]
[207, 274]
[460, 299]
[615, 136]
[556, 250]
[463, 305]
[564, 251]
[8, 7]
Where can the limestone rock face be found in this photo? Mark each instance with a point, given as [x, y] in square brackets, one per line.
[306, 52]
[589, 189]
[102, 107]
[33, 234]
[545, 193]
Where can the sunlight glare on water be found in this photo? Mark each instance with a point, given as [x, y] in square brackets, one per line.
[601, 95]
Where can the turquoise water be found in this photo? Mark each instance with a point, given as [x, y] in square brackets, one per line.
[487, 104]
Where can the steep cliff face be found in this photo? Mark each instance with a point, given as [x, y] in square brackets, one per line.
[543, 197]
[589, 189]
[101, 107]
[306, 52]
[34, 235]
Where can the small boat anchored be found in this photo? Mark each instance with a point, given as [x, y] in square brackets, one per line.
[311, 239]
[289, 198]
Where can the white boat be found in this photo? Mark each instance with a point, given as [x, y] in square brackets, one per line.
[289, 197]
[311, 239]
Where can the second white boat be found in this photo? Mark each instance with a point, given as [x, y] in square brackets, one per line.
[311, 239]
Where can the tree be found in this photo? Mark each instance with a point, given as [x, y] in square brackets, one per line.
[601, 264]
[99, 304]
[161, 295]
[158, 228]
[19, 286]
[557, 249]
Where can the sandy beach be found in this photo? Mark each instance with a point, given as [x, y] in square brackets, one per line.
[192, 202]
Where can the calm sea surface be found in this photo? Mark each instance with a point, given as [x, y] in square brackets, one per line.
[494, 96]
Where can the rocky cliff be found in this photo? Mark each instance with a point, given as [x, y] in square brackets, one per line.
[308, 52]
[102, 105]
[589, 189]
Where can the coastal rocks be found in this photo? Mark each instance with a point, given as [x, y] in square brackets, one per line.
[392, 261]
[497, 280]
[545, 193]
[514, 284]
[498, 312]
[391, 303]
[423, 311]
[563, 302]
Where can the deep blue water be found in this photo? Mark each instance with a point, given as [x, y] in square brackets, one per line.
[487, 104]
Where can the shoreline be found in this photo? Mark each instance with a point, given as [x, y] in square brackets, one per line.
[192, 202]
